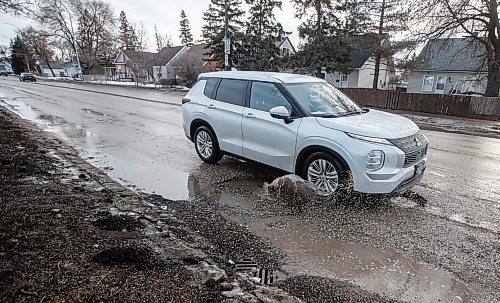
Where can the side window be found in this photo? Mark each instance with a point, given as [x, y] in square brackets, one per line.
[210, 86]
[265, 96]
[232, 91]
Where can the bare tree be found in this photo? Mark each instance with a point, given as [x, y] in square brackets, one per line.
[41, 42]
[475, 18]
[189, 68]
[162, 40]
[85, 24]
[16, 7]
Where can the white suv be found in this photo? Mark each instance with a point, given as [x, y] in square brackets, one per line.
[305, 126]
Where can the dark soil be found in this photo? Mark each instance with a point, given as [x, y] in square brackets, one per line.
[49, 249]
[141, 258]
[118, 223]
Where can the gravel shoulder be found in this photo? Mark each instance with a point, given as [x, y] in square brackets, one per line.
[69, 233]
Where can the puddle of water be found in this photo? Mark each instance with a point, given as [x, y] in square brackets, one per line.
[51, 123]
[159, 179]
[312, 252]
[379, 271]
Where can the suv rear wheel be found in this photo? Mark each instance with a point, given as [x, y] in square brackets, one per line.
[325, 172]
[206, 145]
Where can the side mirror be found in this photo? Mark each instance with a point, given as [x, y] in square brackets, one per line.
[280, 112]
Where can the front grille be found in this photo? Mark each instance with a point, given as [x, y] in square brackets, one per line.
[415, 156]
[414, 147]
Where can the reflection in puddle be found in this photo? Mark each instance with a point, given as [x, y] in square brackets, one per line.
[51, 123]
[311, 251]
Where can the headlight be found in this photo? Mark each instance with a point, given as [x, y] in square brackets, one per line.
[375, 160]
[370, 139]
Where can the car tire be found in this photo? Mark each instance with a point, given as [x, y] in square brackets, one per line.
[206, 145]
[326, 172]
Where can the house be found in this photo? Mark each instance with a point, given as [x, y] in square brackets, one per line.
[363, 64]
[6, 66]
[164, 63]
[129, 63]
[60, 69]
[448, 66]
[286, 47]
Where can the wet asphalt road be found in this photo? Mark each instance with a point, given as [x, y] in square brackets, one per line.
[447, 250]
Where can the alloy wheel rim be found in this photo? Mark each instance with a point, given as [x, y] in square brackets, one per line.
[323, 175]
[204, 144]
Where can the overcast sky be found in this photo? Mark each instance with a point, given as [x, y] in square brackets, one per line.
[166, 15]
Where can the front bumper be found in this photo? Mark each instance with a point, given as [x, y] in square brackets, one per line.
[393, 177]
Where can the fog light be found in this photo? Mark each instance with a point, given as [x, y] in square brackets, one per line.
[375, 160]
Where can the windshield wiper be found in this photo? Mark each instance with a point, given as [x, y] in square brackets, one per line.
[350, 113]
[326, 116]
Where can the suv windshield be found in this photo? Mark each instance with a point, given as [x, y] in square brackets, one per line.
[320, 99]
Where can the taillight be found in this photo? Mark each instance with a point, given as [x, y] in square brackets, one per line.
[184, 101]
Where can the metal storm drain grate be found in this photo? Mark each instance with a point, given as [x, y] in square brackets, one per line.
[264, 276]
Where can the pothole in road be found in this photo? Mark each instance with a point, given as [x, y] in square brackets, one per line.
[91, 111]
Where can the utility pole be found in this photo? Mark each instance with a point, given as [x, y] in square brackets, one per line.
[227, 40]
[378, 53]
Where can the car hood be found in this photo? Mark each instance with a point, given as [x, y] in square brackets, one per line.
[374, 123]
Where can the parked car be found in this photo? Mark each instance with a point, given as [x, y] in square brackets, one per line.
[125, 80]
[27, 77]
[3, 73]
[303, 125]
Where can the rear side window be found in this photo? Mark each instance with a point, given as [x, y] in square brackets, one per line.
[232, 91]
[210, 87]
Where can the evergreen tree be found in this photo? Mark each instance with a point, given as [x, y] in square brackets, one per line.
[213, 30]
[388, 19]
[126, 35]
[186, 36]
[19, 51]
[263, 32]
[326, 34]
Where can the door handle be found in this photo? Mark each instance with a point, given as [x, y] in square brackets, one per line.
[211, 106]
[250, 116]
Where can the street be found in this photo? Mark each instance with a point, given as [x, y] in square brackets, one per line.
[440, 243]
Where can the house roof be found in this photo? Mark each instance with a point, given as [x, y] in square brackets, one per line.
[280, 43]
[362, 49]
[55, 64]
[452, 54]
[138, 56]
[165, 55]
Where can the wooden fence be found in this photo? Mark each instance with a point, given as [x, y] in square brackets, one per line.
[460, 106]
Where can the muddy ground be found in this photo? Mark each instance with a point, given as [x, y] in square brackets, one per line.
[68, 233]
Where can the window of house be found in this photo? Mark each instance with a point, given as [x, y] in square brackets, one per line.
[344, 80]
[210, 86]
[265, 96]
[428, 83]
[471, 84]
[232, 91]
[440, 84]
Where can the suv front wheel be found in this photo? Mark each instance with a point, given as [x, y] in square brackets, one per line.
[325, 172]
[206, 145]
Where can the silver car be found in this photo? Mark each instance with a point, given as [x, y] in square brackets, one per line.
[303, 125]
